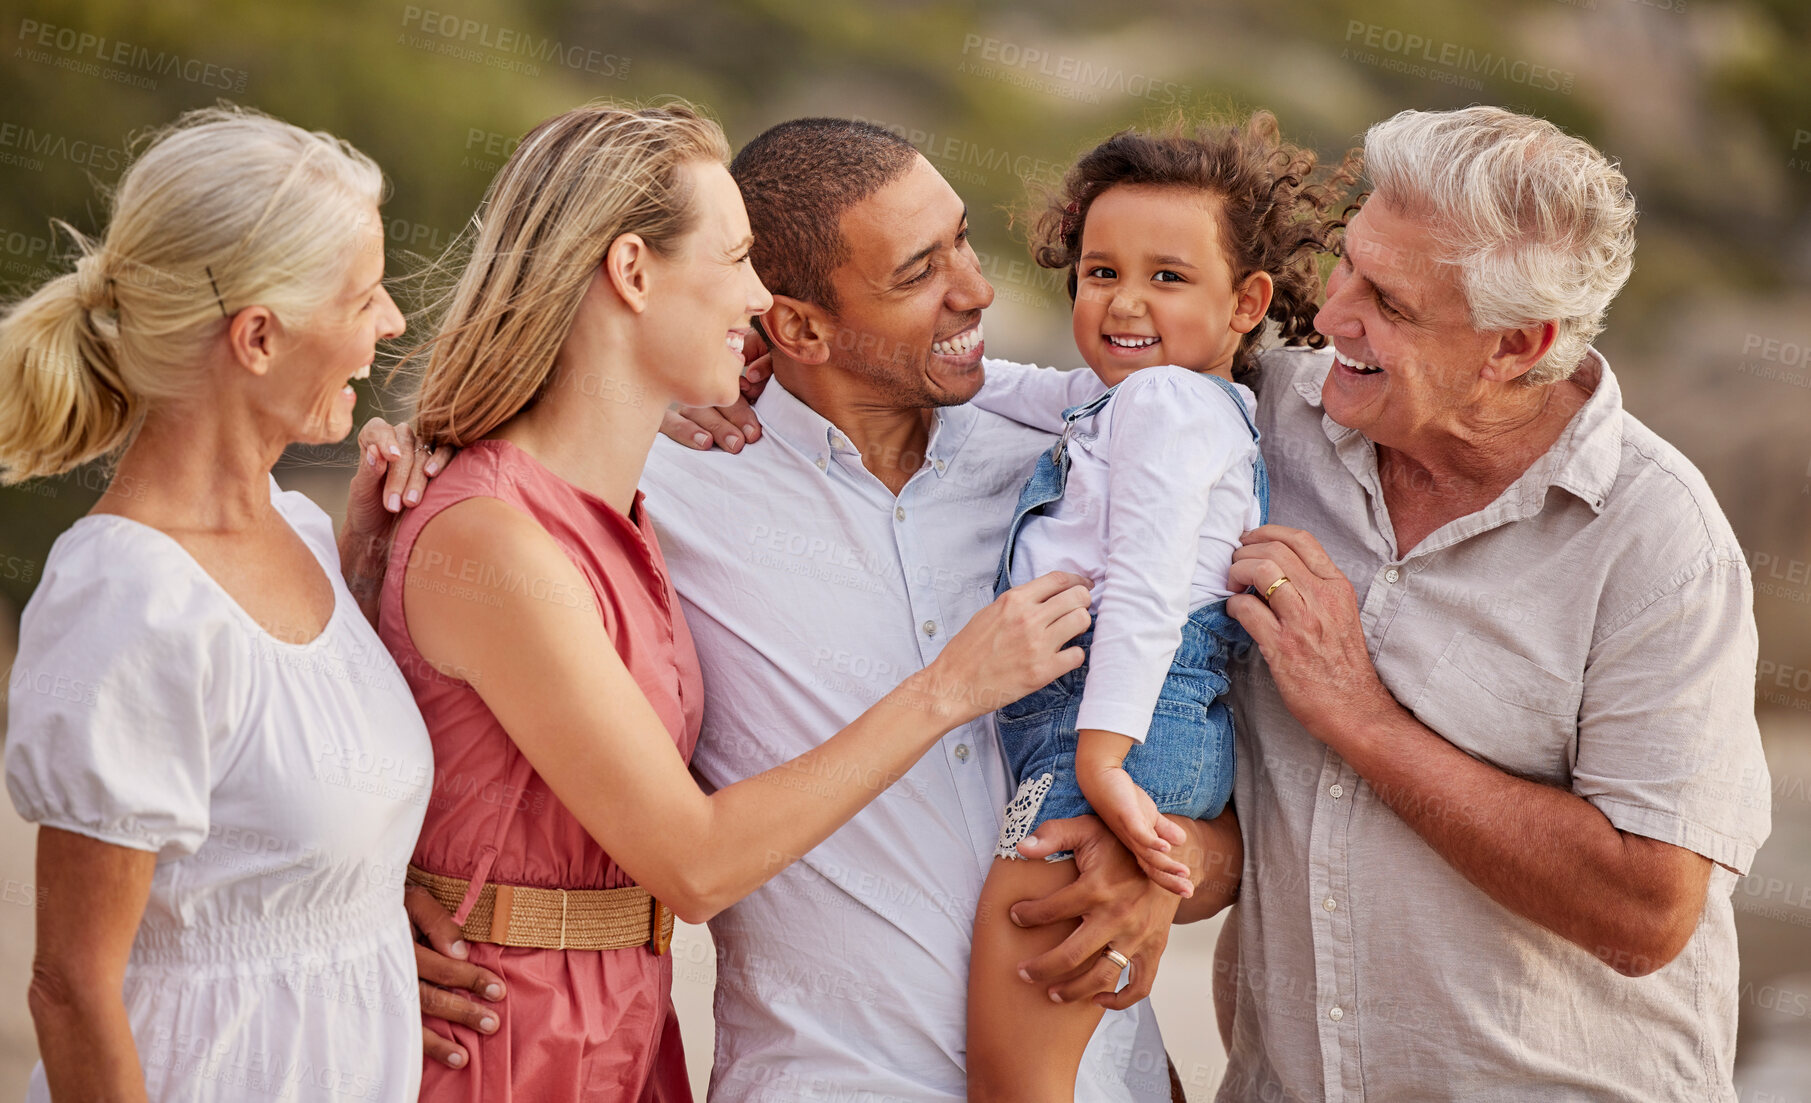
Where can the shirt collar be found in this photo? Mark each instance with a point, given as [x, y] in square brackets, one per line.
[1585, 458]
[1588, 454]
[818, 439]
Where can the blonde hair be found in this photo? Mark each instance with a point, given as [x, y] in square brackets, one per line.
[576, 183]
[224, 208]
[1540, 224]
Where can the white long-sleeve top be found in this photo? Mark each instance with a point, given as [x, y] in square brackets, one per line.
[1159, 492]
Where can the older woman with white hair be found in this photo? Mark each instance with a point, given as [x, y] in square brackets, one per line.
[227, 769]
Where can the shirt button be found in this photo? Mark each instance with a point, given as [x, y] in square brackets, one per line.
[930, 627]
[1336, 791]
[1335, 1014]
[940, 465]
[821, 463]
[962, 752]
[1392, 575]
[1330, 904]
[898, 513]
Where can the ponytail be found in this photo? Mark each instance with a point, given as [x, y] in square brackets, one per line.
[62, 399]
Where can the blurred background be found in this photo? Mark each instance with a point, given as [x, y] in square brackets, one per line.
[1703, 101]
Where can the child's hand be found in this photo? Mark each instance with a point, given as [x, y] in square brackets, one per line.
[1128, 811]
[1131, 814]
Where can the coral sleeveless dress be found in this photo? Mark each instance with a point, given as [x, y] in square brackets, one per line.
[589, 1025]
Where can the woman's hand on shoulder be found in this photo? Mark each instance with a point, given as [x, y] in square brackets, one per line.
[393, 473]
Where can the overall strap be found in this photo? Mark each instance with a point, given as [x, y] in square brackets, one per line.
[1232, 392]
[1090, 406]
[1260, 477]
[1075, 413]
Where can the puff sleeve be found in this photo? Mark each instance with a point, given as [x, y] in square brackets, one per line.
[114, 698]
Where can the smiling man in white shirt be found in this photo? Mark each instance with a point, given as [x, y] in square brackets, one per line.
[855, 533]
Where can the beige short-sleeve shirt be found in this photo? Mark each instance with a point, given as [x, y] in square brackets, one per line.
[1591, 629]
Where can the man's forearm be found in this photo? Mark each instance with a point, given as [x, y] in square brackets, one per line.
[1215, 854]
[1545, 854]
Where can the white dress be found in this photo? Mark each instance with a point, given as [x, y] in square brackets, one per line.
[281, 786]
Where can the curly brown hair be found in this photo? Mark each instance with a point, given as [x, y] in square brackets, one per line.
[1280, 209]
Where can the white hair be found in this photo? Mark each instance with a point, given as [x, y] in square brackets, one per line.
[1540, 224]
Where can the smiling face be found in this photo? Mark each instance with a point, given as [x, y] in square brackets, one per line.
[1406, 358]
[909, 299]
[311, 394]
[705, 295]
[1153, 285]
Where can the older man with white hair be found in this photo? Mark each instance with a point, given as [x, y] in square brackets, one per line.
[1499, 768]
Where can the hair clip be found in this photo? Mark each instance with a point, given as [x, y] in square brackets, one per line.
[217, 299]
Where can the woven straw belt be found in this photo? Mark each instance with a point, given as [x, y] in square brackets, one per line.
[555, 919]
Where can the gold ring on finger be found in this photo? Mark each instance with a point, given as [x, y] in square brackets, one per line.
[1118, 959]
[1273, 586]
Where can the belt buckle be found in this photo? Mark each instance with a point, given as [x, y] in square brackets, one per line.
[660, 938]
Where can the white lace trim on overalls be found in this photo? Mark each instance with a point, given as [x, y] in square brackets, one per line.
[1020, 812]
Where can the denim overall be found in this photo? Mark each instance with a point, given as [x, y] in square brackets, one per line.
[1186, 760]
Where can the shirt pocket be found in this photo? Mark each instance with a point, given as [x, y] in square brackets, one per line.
[1504, 709]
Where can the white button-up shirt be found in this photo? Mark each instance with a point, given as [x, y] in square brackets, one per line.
[811, 591]
[1592, 629]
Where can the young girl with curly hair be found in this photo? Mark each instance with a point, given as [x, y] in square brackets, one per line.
[1180, 244]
